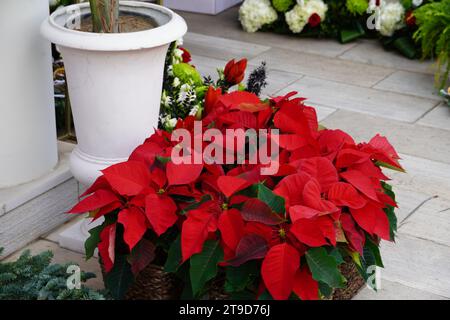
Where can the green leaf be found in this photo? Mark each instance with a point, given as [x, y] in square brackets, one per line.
[405, 46]
[120, 278]
[163, 160]
[324, 267]
[238, 278]
[275, 202]
[204, 265]
[372, 253]
[265, 296]
[325, 289]
[390, 211]
[174, 256]
[336, 254]
[195, 205]
[93, 240]
[388, 166]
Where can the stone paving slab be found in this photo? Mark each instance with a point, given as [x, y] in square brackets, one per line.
[411, 83]
[395, 291]
[412, 139]
[418, 263]
[408, 201]
[372, 52]
[364, 100]
[439, 117]
[431, 222]
[63, 256]
[221, 48]
[323, 67]
[226, 25]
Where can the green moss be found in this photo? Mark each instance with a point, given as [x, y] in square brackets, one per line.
[187, 74]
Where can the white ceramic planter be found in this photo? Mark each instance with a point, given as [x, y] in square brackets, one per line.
[201, 6]
[27, 112]
[115, 83]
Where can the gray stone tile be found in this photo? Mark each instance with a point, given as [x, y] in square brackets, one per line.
[365, 100]
[371, 52]
[431, 222]
[423, 176]
[412, 83]
[407, 201]
[439, 117]
[226, 25]
[323, 67]
[208, 66]
[221, 48]
[323, 112]
[411, 139]
[395, 291]
[417, 263]
[63, 256]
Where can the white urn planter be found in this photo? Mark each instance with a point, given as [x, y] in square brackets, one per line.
[114, 80]
[27, 111]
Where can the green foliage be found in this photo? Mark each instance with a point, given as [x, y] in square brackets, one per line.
[275, 202]
[357, 7]
[324, 267]
[283, 5]
[204, 265]
[239, 278]
[187, 73]
[120, 278]
[433, 34]
[34, 278]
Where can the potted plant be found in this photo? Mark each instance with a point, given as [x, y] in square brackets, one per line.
[114, 54]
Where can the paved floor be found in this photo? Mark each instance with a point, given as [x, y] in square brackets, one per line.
[363, 90]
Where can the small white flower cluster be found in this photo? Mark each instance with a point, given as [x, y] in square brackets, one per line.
[253, 14]
[392, 16]
[299, 16]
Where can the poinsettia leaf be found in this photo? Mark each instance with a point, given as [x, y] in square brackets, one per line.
[336, 254]
[91, 243]
[324, 267]
[230, 185]
[195, 232]
[97, 200]
[195, 205]
[141, 256]
[106, 246]
[389, 166]
[258, 211]
[182, 173]
[322, 169]
[134, 224]
[360, 182]
[231, 226]
[128, 178]
[344, 194]
[309, 232]
[278, 270]
[204, 265]
[173, 261]
[305, 287]
[275, 202]
[238, 278]
[251, 246]
[161, 212]
[120, 278]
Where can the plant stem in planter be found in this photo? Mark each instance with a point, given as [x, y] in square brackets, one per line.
[105, 16]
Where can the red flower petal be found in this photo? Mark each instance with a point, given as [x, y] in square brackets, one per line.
[301, 212]
[231, 227]
[322, 169]
[372, 219]
[195, 231]
[106, 246]
[278, 270]
[360, 182]
[291, 188]
[354, 236]
[348, 157]
[344, 194]
[305, 287]
[314, 232]
[128, 178]
[230, 185]
[99, 199]
[161, 212]
[134, 224]
[182, 173]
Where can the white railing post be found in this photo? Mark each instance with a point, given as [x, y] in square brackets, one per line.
[28, 146]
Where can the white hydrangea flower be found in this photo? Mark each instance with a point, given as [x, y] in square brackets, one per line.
[168, 122]
[299, 16]
[253, 14]
[184, 91]
[392, 16]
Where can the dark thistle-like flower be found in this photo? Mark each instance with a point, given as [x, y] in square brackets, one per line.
[257, 79]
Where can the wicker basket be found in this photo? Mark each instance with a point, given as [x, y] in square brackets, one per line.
[155, 284]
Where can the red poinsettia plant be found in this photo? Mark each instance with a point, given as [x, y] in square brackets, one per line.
[278, 236]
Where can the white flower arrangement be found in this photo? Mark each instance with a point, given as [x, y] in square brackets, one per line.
[253, 14]
[299, 16]
[392, 16]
